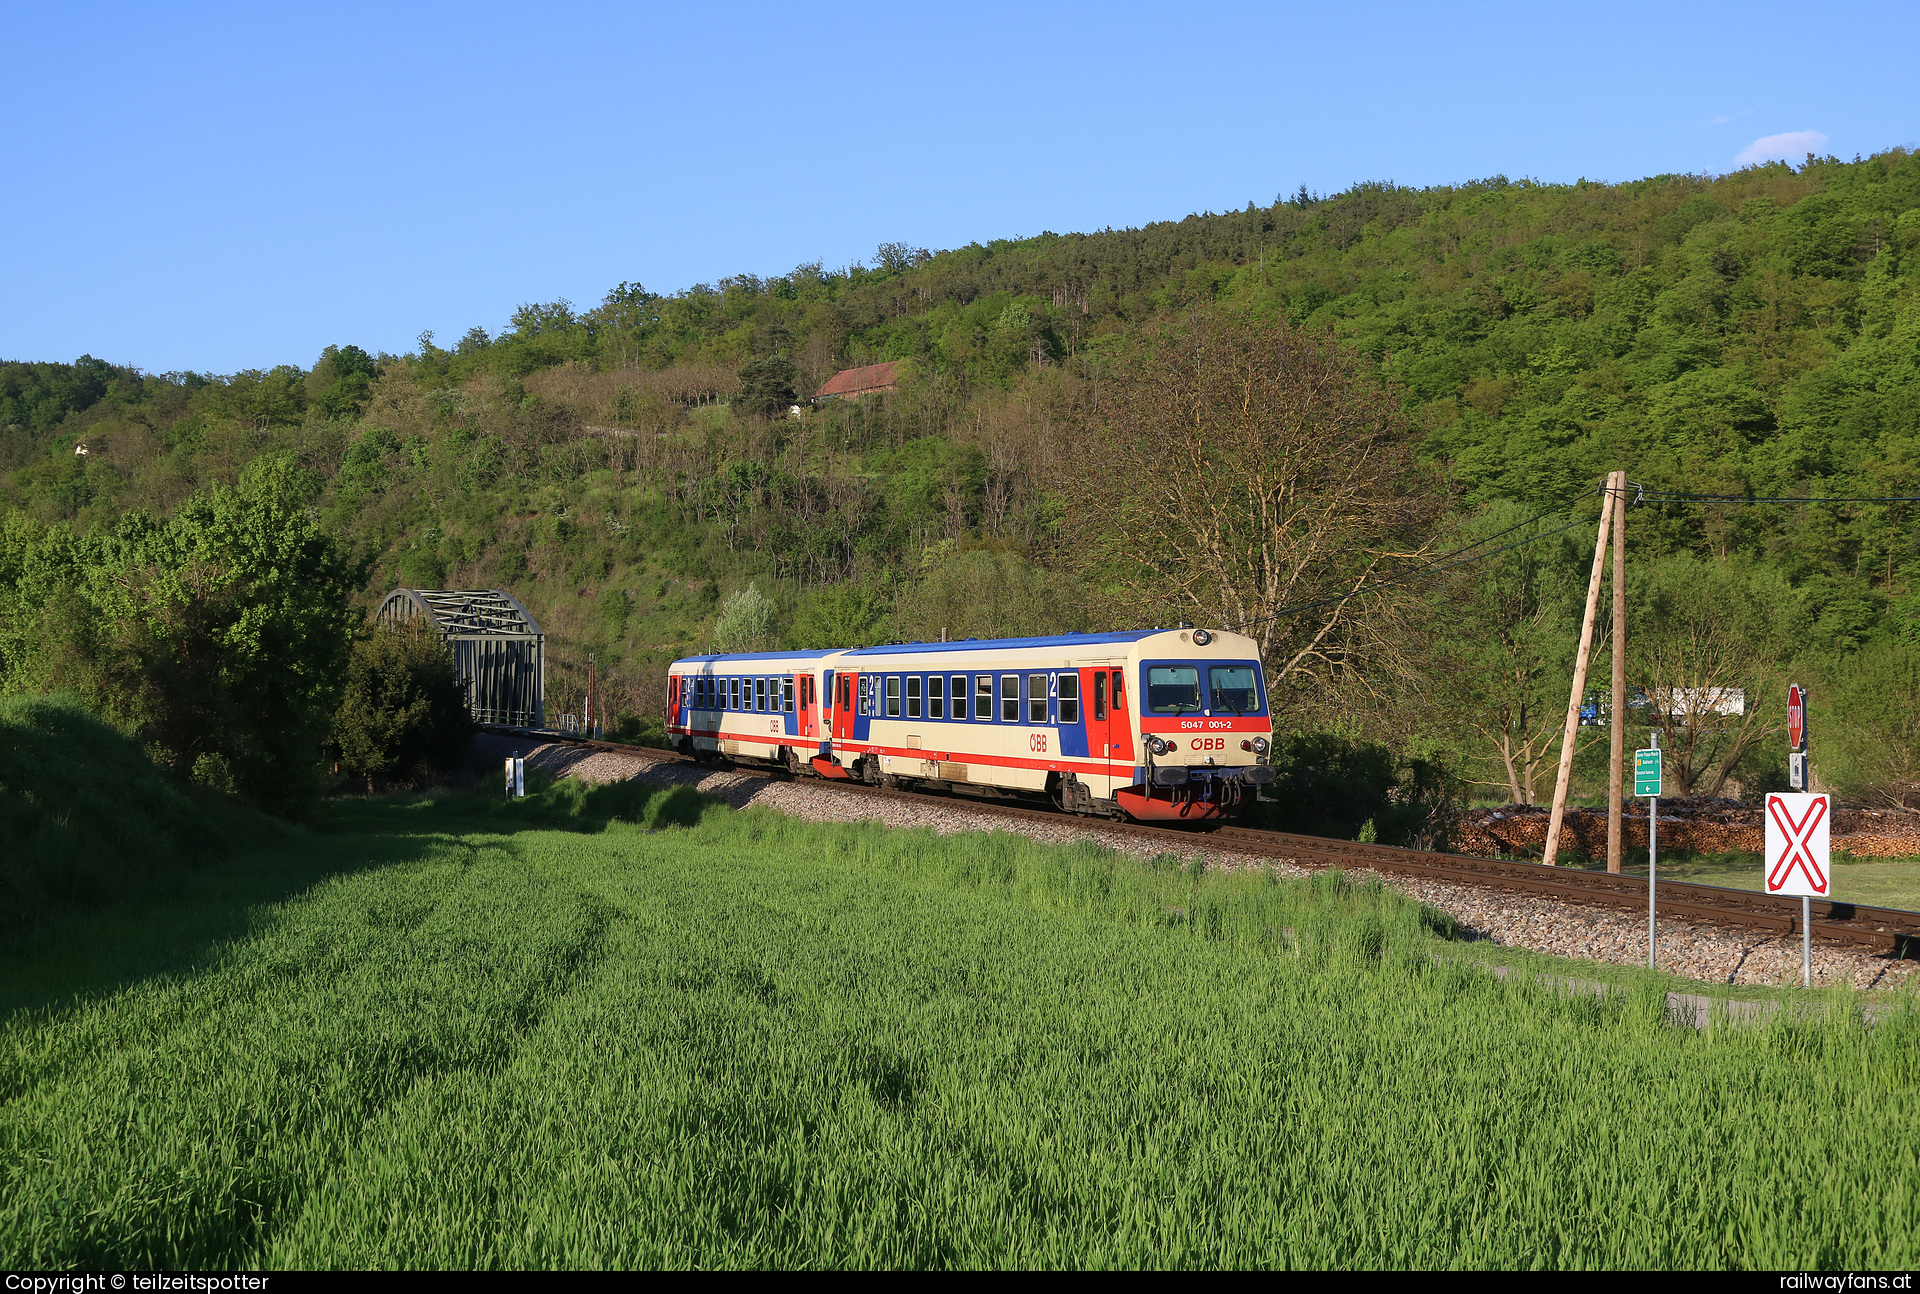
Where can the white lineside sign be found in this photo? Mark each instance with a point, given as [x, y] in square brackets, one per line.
[1798, 858]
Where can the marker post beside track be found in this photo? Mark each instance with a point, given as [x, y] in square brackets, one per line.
[1646, 781]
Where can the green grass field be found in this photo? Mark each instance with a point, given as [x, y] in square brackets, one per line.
[453, 1035]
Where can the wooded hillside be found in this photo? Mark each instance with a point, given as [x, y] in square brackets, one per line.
[625, 468]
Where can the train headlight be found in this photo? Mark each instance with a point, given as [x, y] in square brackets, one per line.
[1201, 638]
[1157, 746]
[1259, 745]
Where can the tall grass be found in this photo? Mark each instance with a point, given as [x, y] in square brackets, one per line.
[575, 1032]
[87, 820]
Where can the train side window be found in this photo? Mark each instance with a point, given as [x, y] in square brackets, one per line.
[786, 694]
[1036, 698]
[759, 694]
[733, 694]
[1069, 697]
[936, 697]
[1119, 692]
[959, 696]
[913, 696]
[893, 696]
[1009, 698]
[1099, 696]
[983, 696]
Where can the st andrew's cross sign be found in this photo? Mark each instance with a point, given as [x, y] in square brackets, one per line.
[1798, 858]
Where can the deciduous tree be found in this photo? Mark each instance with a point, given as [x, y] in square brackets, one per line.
[1235, 469]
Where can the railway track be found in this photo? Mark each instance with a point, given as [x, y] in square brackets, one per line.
[1889, 931]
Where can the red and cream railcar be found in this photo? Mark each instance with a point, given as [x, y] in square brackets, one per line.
[1156, 725]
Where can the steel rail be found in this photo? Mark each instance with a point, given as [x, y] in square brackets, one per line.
[1892, 931]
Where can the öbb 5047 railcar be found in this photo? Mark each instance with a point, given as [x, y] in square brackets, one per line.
[1157, 725]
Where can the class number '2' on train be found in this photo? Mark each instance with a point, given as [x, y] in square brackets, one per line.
[1153, 725]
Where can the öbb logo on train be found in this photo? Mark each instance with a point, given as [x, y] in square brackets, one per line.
[1038, 741]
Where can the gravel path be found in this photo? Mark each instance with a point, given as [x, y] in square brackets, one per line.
[1709, 953]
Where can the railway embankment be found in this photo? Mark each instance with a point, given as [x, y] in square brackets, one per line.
[1703, 952]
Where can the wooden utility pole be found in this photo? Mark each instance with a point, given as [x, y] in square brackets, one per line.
[1617, 707]
[1579, 680]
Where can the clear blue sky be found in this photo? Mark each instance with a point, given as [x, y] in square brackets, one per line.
[214, 188]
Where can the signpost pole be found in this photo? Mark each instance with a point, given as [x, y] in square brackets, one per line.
[1653, 856]
[1798, 777]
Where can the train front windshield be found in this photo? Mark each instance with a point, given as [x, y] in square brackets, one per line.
[1233, 689]
[1228, 689]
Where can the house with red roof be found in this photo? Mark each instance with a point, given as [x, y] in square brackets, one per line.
[865, 380]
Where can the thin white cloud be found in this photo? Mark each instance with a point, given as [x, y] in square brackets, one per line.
[1726, 117]
[1791, 146]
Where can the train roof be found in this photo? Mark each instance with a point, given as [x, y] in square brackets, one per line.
[993, 644]
[757, 655]
[1125, 637]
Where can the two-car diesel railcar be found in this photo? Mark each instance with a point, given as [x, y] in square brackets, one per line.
[1152, 724]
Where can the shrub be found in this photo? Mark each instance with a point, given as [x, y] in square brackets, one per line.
[746, 622]
[404, 712]
[1342, 787]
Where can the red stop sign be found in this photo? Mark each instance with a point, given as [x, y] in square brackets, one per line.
[1796, 717]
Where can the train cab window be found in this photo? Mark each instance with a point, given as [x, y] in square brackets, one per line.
[1173, 689]
[959, 682]
[1009, 698]
[913, 696]
[1231, 688]
[786, 694]
[893, 696]
[1036, 698]
[1069, 697]
[1099, 696]
[936, 697]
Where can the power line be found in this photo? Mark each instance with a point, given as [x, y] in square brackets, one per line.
[1646, 496]
[1433, 569]
[1445, 561]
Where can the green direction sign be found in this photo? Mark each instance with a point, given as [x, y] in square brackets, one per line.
[1646, 772]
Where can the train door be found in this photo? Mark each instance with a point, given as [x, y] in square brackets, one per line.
[673, 702]
[1121, 755]
[846, 686]
[1103, 726]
